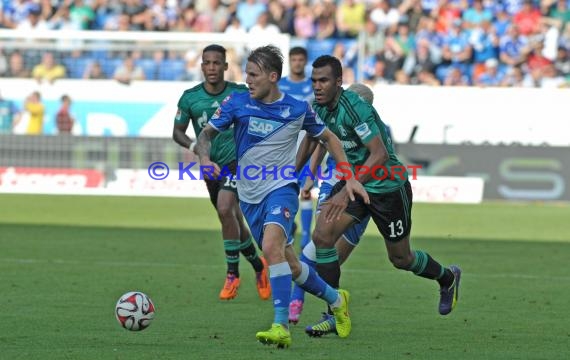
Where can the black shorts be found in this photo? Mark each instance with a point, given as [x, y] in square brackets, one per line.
[226, 183]
[391, 212]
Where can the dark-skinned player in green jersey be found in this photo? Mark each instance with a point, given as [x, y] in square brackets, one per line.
[196, 106]
[363, 135]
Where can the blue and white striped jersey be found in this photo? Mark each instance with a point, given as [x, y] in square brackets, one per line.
[266, 138]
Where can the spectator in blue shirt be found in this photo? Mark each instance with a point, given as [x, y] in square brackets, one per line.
[492, 76]
[476, 14]
[247, 12]
[502, 20]
[514, 47]
[485, 45]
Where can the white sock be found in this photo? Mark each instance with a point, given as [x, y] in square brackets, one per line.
[338, 302]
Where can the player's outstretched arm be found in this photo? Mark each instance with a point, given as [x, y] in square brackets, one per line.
[339, 202]
[203, 146]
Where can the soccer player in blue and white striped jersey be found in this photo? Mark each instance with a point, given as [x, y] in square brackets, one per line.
[266, 126]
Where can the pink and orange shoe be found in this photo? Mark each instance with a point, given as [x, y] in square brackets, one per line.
[295, 310]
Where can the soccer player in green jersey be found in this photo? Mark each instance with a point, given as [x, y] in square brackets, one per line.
[350, 239]
[197, 105]
[365, 142]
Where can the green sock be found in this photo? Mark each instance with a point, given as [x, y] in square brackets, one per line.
[425, 266]
[250, 252]
[328, 266]
[231, 248]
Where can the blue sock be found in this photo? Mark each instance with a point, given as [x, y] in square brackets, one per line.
[312, 283]
[298, 293]
[280, 279]
[306, 220]
[306, 260]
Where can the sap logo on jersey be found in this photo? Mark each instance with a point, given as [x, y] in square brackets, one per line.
[262, 127]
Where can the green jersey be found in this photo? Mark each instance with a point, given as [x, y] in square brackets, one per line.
[355, 123]
[197, 105]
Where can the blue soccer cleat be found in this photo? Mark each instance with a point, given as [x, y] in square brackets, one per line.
[327, 325]
[449, 296]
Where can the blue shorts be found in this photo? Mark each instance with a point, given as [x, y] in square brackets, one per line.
[279, 207]
[353, 234]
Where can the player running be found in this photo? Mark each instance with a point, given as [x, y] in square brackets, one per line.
[266, 126]
[365, 141]
[299, 86]
[197, 105]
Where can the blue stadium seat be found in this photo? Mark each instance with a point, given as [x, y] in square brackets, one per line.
[171, 70]
[469, 72]
[109, 65]
[441, 72]
[299, 42]
[316, 48]
[149, 67]
[101, 52]
[348, 43]
[75, 67]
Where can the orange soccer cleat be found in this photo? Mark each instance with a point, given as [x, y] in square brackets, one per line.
[230, 289]
[262, 279]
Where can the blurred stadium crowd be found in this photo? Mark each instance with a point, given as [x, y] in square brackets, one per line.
[519, 43]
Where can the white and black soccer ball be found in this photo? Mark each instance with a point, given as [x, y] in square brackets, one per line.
[134, 311]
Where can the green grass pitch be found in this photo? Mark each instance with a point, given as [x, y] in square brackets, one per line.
[65, 260]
